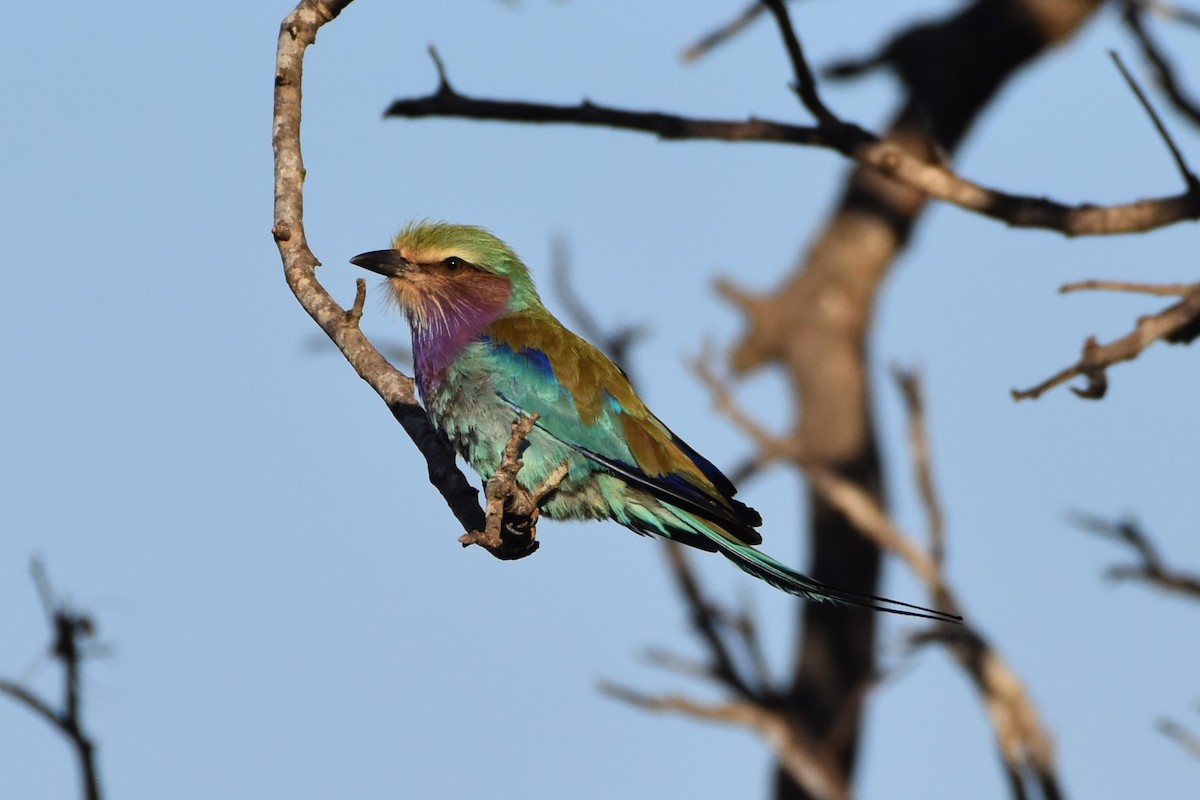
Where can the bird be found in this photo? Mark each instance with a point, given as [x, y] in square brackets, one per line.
[486, 352]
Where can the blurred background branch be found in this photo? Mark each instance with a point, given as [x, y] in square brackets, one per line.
[74, 640]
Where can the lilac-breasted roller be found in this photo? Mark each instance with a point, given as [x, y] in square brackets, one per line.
[486, 351]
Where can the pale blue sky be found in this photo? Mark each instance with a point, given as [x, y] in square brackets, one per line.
[288, 610]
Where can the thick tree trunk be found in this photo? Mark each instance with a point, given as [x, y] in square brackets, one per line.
[817, 325]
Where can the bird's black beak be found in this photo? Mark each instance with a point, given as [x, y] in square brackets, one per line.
[386, 262]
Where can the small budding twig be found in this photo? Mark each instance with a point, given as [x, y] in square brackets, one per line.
[512, 511]
[354, 315]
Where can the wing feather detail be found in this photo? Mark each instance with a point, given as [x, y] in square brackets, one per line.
[585, 402]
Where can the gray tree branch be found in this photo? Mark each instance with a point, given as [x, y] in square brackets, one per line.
[297, 32]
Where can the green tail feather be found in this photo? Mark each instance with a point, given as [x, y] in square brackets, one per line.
[781, 576]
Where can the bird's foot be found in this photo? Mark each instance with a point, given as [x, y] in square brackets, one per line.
[515, 537]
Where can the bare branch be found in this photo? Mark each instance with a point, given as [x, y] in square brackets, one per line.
[770, 446]
[447, 102]
[443, 81]
[1021, 737]
[1189, 178]
[805, 85]
[1024, 745]
[31, 701]
[72, 633]
[1176, 324]
[354, 315]
[1158, 289]
[1164, 72]
[1151, 568]
[731, 641]
[867, 515]
[804, 759]
[887, 158]
[297, 32]
[718, 36]
[918, 444]
[673, 662]
[707, 621]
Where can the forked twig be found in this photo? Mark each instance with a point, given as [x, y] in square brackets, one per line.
[1164, 71]
[73, 633]
[1024, 744]
[803, 759]
[1151, 568]
[1176, 324]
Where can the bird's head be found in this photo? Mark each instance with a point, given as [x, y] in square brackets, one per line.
[443, 275]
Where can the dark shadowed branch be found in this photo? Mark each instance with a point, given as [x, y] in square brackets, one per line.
[805, 85]
[74, 634]
[1189, 178]
[886, 157]
[1164, 71]
[1179, 323]
[1150, 568]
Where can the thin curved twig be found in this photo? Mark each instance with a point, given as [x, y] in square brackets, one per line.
[1189, 178]
[723, 33]
[296, 33]
[911, 389]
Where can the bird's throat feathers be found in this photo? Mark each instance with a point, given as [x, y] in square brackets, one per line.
[446, 314]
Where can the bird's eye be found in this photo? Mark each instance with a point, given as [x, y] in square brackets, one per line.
[452, 263]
